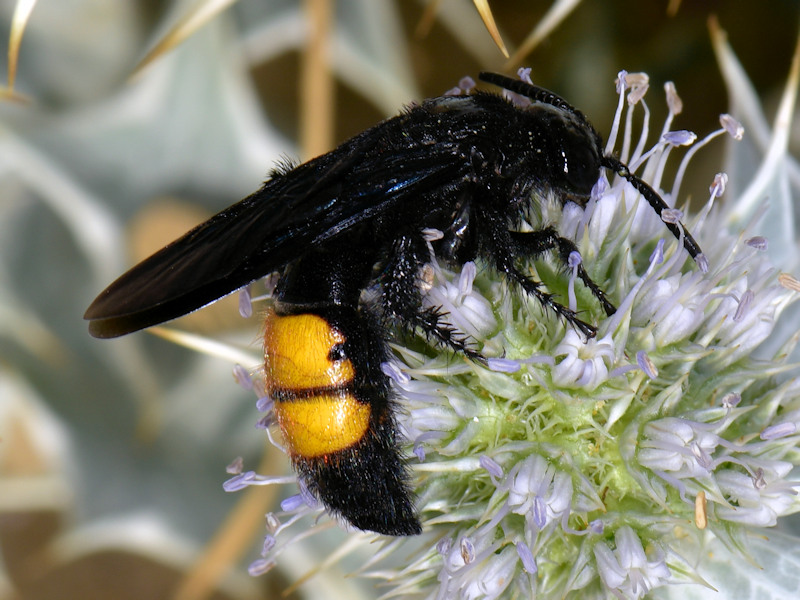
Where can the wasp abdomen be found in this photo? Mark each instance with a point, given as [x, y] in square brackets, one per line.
[337, 419]
[311, 385]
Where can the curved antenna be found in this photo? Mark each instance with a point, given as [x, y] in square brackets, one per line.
[656, 201]
[534, 92]
[537, 94]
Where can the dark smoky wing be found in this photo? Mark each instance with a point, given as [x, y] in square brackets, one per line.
[205, 264]
[262, 233]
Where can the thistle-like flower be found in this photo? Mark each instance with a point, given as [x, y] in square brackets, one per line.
[594, 468]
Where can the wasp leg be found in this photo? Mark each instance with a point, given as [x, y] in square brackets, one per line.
[534, 243]
[402, 296]
[531, 287]
[506, 246]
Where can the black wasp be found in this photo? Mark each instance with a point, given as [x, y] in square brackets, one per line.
[471, 167]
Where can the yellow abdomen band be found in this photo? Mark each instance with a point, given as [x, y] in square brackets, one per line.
[312, 388]
[297, 352]
[322, 424]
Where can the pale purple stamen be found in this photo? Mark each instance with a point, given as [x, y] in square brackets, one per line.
[757, 242]
[431, 235]
[249, 478]
[492, 467]
[517, 100]
[467, 278]
[620, 87]
[637, 93]
[270, 282]
[467, 550]
[671, 215]
[759, 482]
[744, 305]
[643, 134]
[269, 544]
[674, 102]
[524, 73]
[467, 84]
[637, 81]
[573, 261]
[621, 82]
[657, 256]
[264, 404]
[646, 365]
[597, 526]
[599, 188]
[718, 187]
[539, 512]
[526, 557]
[657, 150]
[245, 303]
[419, 452]
[503, 365]
[268, 422]
[702, 457]
[464, 87]
[260, 567]
[293, 503]
[702, 263]
[732, 126]
[621, 370]
[637, 84]
[443, 545]
[731, 400]
[273, 522]
[239, 482]
[681, 137]
[781, 430]
[307, 496]
[715, 190]
[235, 466]
[539, 359]
[242, 377]
[395, 373]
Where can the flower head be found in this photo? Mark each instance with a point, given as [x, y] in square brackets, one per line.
[627, 571]
[573, 466]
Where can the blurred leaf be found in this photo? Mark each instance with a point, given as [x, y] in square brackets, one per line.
[488, 19]
[765, 179]
[18, 23]
[557, 13]
[188, 23]
[778, 577]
